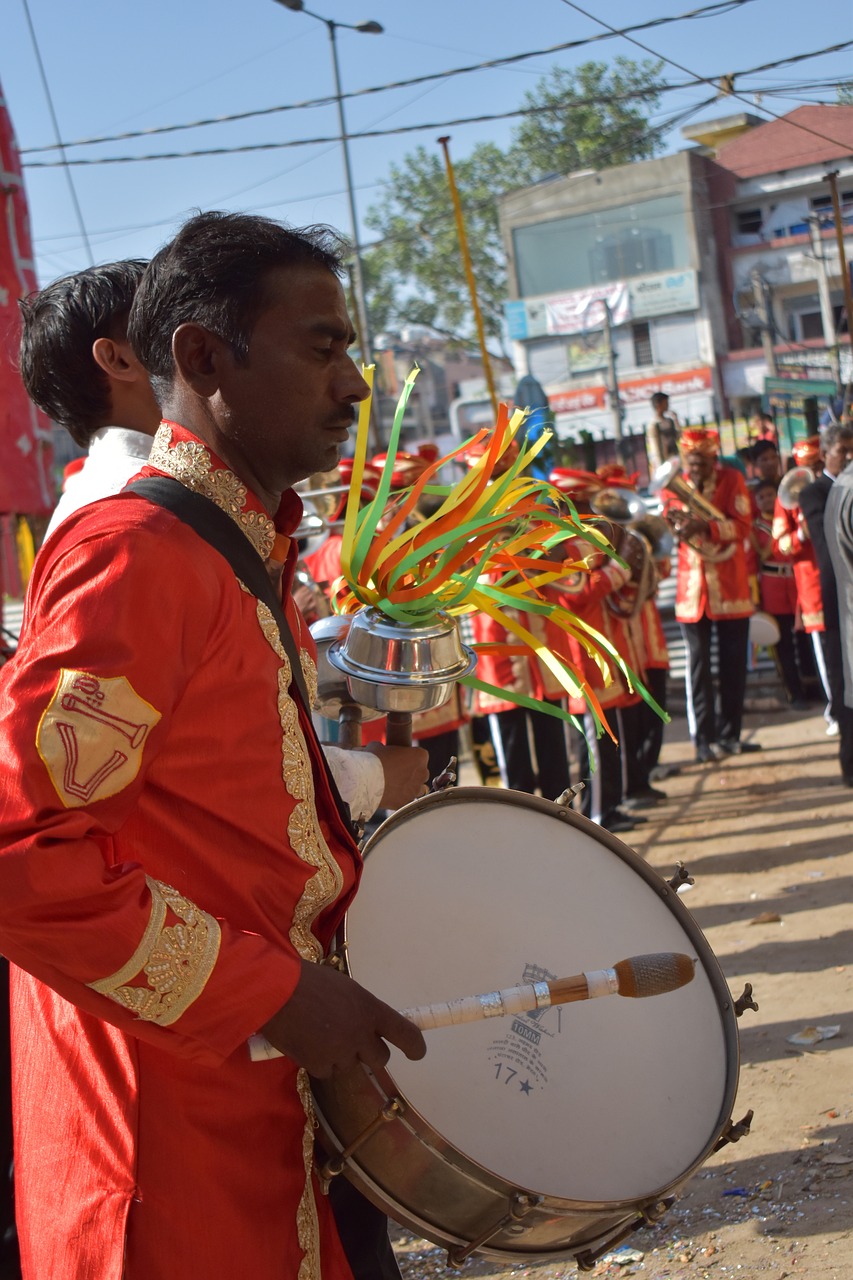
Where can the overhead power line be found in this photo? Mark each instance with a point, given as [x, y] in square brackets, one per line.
[729, 78]
[78, 212]
[721, 6]
[568, 102]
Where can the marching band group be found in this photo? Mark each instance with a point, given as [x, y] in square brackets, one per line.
[743, 545]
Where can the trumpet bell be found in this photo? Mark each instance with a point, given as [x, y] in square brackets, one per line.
[664, 475]
[792, 486]
[620, 505]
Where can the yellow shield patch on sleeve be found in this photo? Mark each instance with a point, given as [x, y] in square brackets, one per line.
[92, 735]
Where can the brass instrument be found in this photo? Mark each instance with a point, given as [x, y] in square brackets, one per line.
[622, 509]
[667, 477]
[792, 485]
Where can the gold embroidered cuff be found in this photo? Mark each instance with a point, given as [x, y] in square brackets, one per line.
[177, 960]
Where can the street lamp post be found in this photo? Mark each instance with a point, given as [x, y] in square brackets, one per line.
[367, 28]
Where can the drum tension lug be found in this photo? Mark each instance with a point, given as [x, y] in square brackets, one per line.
[565, 798]
[337, 959]
[520, 1205]
[745, 1001]
[647, 1216]
[393, 1108]
[681, 878]
[447, 777]
[734, 1132]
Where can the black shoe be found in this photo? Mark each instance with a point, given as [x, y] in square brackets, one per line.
[636, 818]
[663, 771]
[617, 823]
[704, 753]
[645, 798]
[732, 748]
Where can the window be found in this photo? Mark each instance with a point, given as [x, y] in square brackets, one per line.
[749, 222]
[592, 248]
[642, 343]
[811, 325]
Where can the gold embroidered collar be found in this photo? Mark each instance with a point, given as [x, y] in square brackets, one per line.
[181, 455]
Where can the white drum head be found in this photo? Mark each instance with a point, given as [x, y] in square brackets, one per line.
[601, 1101]
[763, 629]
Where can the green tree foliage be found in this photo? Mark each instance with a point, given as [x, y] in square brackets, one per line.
[845, 94]
[414, 273]
[592, 117]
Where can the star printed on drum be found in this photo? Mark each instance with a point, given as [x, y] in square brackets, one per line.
[525, 1086]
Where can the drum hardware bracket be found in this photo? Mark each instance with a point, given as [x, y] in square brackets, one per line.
[337, 959]
[733, 1132]
[681, 878]
[520, 1205]
[745, 1001]
[393, 1108]
[447, 777]
[647, 1216]
[565, 798]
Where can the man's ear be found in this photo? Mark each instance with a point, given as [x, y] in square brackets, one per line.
[115, 356]
[200, 358]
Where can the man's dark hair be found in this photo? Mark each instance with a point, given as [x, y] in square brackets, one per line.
[214, 273]
[60, 324]
[764, 484]
[761, 447]
[659, 399]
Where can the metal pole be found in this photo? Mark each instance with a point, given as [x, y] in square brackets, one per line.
[613, 380]
[826, 317]
[366, 338]
[842, 262]
[762, 306]
[469, 274]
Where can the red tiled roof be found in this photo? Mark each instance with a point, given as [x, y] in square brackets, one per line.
[781, 144]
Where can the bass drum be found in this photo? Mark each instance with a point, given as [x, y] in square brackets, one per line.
[558, 1131]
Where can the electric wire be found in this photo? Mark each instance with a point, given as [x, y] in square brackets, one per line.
[721, 6]
[63, 161]
[569, 101]
[727, 80]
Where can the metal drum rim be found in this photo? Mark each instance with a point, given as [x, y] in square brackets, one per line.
[432, 1138]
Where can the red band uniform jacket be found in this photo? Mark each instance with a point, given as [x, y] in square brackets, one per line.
[716, 589]
[170, 853]
[792, 545]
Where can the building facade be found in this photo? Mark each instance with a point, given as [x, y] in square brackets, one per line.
[718, 266]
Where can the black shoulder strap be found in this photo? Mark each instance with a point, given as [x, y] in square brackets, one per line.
[220, 532]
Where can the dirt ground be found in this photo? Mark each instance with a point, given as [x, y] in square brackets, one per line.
[769, 839]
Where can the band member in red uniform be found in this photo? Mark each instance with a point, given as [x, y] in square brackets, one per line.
[837, 451]
[712, 593]
[602, 762]
[173, 858]
[777, 592]
[792, 545]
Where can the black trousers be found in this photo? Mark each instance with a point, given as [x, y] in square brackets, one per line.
[600, 770]
[512, 732]
[832, 645]
[440, 748]
[786, 657]
[644, 733]
[363, 1230]
[716, 715]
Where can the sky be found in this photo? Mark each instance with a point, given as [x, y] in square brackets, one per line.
[117, 67]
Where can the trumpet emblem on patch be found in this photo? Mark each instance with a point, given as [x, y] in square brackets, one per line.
[92, 735]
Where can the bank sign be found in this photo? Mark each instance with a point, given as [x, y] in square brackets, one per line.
[583, 310]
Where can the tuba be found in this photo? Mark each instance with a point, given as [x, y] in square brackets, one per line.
[624, 509]
[792, 485]
[667, 477]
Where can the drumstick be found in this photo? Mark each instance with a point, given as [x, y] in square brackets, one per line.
[639, 976]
